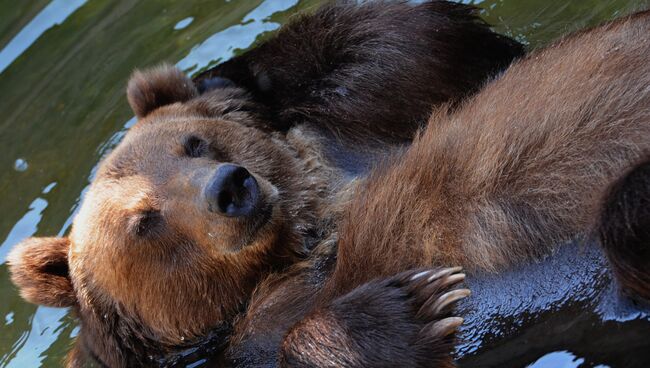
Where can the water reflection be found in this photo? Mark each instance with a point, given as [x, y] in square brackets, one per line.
[561, 359]
[46, 326]
[183, 23]
[55, 13]
[27, 225]
[21, 165]
[223, 45]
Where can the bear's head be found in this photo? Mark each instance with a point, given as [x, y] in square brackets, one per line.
[179, 224]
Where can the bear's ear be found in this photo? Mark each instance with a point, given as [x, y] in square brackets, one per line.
[39, 268]
[156, 87]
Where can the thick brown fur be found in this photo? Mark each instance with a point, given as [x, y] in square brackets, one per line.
[513, 174]
[152, 266]
[176, 270]
[42, 272]
[371, 71]
[158, 87]
[517, 171]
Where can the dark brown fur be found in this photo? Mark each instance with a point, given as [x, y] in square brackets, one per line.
[623, 228]
[381, 331]
[152, 268]
[371, 71]
[518, 170]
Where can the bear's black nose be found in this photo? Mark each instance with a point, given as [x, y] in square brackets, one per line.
[232, 191]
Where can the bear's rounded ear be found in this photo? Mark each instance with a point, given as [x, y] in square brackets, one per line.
[156, 87]
[39, 268]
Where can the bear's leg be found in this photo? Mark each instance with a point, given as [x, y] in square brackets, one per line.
[368, 71]
[401, 321]
[494, 185]
[624, 231]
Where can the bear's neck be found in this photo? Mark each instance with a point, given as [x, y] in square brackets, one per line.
[112, 339]
[333, 168]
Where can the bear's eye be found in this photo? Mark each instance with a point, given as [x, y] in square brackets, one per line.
[146, 223]
[195, 146]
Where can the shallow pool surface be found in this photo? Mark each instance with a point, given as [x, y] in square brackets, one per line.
[63, 70]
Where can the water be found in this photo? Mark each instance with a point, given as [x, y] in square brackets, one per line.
[63, 69]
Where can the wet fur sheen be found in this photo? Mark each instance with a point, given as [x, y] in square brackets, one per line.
[518, 170]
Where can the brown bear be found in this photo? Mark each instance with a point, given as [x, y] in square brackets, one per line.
[536, 159]
[209, 193]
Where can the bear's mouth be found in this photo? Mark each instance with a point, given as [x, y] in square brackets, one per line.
[253, 228]
[262, 217]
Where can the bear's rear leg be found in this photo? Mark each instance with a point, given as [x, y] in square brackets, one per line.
[624, 231]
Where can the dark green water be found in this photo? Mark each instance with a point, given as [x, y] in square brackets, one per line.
[63, 69]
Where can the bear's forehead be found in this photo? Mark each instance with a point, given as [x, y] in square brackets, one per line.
[136, 161]
[140, 147]
[143, 152]
[109, 202]
[152, 146]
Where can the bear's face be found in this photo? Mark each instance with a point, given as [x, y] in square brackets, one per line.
[181, 219]
[147, 225]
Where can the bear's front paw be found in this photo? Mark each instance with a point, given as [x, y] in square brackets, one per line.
[401, 321]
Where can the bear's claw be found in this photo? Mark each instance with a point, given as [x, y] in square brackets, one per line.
[449, 298]
[433, 295]
[443, 328]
